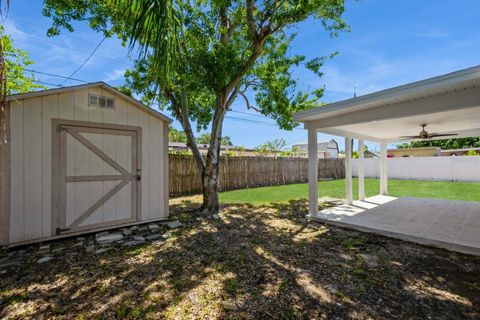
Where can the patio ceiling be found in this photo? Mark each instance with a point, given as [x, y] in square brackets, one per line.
[447, 104]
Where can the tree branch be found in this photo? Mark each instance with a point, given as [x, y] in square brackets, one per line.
[224, 25]
[252, 30]
[249, 107]
[181, 111]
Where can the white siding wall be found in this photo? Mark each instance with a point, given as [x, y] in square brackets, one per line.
[31, 156]
[425, 168]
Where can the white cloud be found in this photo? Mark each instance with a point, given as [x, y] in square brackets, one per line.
[14, 31]
[116, 74]
[432, 34]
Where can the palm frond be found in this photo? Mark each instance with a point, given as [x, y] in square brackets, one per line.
[155, 28]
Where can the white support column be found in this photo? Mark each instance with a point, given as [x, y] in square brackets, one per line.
[312, 173]
[348, 170]
[383, 169]
[361, 170]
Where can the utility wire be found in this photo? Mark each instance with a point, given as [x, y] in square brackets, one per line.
[269, 124]
[84, 62]
[250, 114]
[47, 83]
[70, 35]
[55, 75]
[53, 43]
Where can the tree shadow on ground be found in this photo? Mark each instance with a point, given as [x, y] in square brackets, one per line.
[253, 262]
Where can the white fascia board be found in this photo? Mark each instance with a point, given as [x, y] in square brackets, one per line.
[405, 91]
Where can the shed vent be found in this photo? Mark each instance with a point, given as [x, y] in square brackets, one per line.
[101, 101]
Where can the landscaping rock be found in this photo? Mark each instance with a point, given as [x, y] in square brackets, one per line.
[10, 264]
[108, 238]
[101, 233]
[139, 238]
[167, 234]
[215, 216]
[133, 243]
[44, 247]
[126, 232]
[90, 248]
[44, 259]
[102, 250]
[157, 242]
[154, 237]
[174, 224]
[57, 251]
[134, 228]
[78, 244]
[153, 227]
[142, 229]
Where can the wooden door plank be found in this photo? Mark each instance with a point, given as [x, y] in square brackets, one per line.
[99, 152]
[62, 173]
[99, 203]
[94, 178]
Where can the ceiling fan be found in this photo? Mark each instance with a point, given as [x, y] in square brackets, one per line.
[425, 135]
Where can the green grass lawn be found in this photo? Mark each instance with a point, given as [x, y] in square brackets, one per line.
[469, 191]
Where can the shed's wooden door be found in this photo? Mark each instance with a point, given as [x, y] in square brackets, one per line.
[98, 175]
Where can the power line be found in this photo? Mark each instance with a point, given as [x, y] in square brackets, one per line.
[55, 75]
[250, 114]
[258, 122]
[269, 124]
[47, 83]
[70, 35]
[84, 62]
[61, 46]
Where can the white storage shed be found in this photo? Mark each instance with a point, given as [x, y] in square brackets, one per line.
[78, 159]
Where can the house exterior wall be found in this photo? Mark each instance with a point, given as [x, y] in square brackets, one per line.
[325, 150]
[31, 156]
[414, 152]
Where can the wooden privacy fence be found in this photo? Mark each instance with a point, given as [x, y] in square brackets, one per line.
[249, 172]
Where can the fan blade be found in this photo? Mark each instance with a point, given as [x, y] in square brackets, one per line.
[409, 137]
[433, 135]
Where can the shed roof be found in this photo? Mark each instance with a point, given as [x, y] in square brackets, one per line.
[100, 84]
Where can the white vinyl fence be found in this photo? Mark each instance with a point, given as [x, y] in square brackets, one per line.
[425, 168]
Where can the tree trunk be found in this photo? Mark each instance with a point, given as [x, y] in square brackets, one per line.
[211, 204]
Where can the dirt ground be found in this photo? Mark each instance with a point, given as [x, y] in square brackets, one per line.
[251, 263]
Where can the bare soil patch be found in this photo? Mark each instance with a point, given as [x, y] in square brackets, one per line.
[250, 263]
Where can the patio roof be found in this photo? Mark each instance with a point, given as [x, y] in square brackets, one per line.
[387, 115]
[447, 104]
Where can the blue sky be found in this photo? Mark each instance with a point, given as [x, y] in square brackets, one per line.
[391, 43]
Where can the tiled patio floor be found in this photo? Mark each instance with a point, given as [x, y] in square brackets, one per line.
[450, 224]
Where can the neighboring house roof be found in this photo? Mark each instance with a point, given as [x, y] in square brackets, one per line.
[322, 146]
[100, 84]
[373, 154]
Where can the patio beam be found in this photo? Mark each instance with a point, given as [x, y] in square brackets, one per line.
[383, 170]
[312, 173]
[348, 171]
[361, 170]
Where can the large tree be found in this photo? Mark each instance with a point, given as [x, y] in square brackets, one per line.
[198, 57]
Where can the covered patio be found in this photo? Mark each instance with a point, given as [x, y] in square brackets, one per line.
[446, 106]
